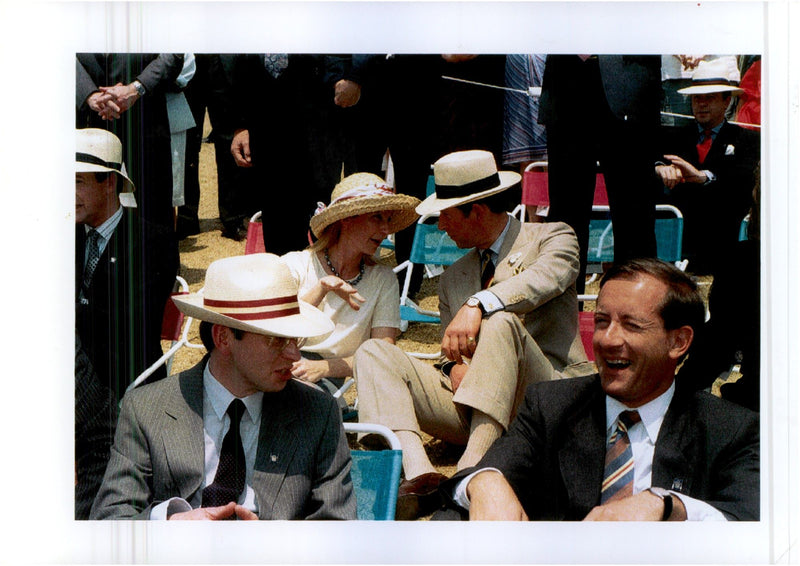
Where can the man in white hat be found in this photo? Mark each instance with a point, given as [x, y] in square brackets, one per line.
[123, 271]
[509, 316]
[235, 436]
[708, 168]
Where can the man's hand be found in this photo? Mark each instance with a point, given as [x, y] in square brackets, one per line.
[457, 373]
[460, 337]
[216, 513]
[643, 506]
[240, 148]
[688, 171]
[670, 175]
[103, 104]
[491, 498]
[346, 93]
[124, 96]
[310, 370]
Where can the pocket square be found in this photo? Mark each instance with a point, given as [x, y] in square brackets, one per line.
[729, 149]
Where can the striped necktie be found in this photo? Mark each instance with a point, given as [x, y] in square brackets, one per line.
[229, 481]
[618, 476]
[487, 269]
[92, 259]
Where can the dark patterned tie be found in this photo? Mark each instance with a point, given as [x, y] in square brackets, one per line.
[92, 259]
[229, 481]
[276, 63]
[487, 269]
[618, 476]
[704, 145]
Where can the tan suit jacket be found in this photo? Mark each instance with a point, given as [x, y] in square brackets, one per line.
[535, 279]
[302, 467]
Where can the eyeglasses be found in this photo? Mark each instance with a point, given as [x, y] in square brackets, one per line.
[280, 343]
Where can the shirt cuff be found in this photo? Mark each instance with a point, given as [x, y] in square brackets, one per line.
[710, 177]
[697, 510]
[489, 301]
[460, 490]
[166, 509]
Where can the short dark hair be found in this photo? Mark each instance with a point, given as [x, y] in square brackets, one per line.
[101, 176]
[682, 304]
[504, 201]
[207, 338]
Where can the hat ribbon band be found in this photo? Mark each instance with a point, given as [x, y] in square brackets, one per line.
[234, 309]
[717, 81]
[88, 158]
[457, 191]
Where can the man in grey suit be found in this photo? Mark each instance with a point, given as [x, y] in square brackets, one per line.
[505, 325]
[179, 453]
[632, 443]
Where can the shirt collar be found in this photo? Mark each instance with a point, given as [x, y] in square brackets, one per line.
[714, 131]
[107, 228]
[652, 413]
[220, 397]
[498, 243]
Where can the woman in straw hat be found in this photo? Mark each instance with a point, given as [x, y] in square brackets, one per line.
[339, 275]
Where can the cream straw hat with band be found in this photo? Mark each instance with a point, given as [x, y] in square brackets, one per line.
[100, 151]
[712, 76]
[364, 193]
[254, 293]
[466, 176]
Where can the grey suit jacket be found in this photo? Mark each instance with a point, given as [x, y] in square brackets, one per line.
[302, 467]
[535, 279]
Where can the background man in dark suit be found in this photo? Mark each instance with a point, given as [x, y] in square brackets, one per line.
[121, 290]
[603, 108]
[689, 455]
[710, 170]
[235, 436]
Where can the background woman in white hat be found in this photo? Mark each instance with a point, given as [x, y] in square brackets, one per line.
[339, 275]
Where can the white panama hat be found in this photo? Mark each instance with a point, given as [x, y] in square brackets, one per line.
[466, 176]
[100, 151]
[712, 76]
[255, 293]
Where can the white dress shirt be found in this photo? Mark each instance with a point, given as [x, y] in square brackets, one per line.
[216, 424]
[105, 230]
[642, 436]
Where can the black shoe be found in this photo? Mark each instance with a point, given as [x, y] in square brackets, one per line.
[419, 496]
[186, 228]
[236, 233]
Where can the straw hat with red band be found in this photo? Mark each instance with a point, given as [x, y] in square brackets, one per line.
[100, 151]
[254, 293]
[466, 176]
[713, 76]
[364, 193]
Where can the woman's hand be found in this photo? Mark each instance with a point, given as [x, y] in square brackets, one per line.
[310, 370]
[348, 293]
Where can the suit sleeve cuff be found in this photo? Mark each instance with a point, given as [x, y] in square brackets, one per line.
[489, 301]
[460, 490]
[166, 509]
[697, 510]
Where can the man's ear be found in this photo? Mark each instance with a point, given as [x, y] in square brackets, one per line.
[679, 341]
[222, 335]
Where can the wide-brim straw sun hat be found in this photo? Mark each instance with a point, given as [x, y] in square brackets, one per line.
[254, 293]
[712, 76]
[466, 176]
[100, 151]
[364, 193]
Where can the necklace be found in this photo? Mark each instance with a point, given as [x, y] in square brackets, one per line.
[352, 282]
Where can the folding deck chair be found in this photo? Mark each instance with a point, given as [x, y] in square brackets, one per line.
[254, 243]
[376, 474]
[175, 327]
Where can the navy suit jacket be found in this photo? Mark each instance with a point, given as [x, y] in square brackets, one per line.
[554, 452]
[120, 327]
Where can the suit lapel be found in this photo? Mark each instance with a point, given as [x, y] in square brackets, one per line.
[277, 442]
[672, 460]
[183, 433]
[503, 270]
[582, 453]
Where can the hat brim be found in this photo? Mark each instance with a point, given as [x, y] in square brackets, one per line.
[709, 89]
[433, 204]
[402, 207]
[127, 184]
[310, 323]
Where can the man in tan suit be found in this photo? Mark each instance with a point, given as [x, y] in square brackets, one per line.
[506, 325]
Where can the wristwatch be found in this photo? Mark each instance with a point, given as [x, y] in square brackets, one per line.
[475, 302]
[666, 497]
[139, 87]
